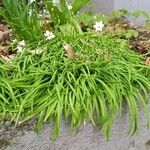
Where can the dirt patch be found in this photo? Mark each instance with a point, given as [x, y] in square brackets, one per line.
[141, 44]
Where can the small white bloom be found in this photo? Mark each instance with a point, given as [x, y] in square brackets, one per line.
[21, 43]
[69, 7]
[49, 35]
[20, 46]
[98, 26]
[44, 11]
[37, 51]
[30, 12]
[31, 1]
[19, 49]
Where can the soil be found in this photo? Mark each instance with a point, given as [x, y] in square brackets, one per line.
[141, 44]
[5, 34]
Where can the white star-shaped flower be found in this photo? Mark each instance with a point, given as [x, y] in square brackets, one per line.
[30, 12]
[98, 26]
[49, 35]
[20, 46]
[21, 43]
[69, 7]
[19, 49]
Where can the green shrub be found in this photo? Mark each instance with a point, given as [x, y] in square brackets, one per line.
[104, 74]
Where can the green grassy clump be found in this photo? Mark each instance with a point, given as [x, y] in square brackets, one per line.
[92, 87]
[22, 17]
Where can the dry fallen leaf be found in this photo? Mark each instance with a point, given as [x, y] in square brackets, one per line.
[69, 50]
[6, 54]
[9, 58]
[5, 32]
[148, 61]
[37, 51]
[141, 44]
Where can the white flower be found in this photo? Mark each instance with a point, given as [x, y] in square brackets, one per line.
[69, 7]
[49, 35]
[20, 46]
[21, 43]
[45, 11]
[98, 26]
[19, 49]
[30, 12]
[37, 51]
[31, 1]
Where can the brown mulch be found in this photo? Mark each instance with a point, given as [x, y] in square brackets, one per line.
[5, 40]
[119, 23]
[141, 44]
[5, 34]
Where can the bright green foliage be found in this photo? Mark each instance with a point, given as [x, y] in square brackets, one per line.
[131, 33]
[139, 13]
[120, 13]
[105, 76]
[29, 27]
[26, 26]
[62, 15]
[126, 13]
[126, 34]
[77, 5]
[88, 18]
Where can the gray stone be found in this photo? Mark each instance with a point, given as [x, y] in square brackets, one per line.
[87, 138]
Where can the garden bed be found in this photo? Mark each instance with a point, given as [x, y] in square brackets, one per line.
[80, 66]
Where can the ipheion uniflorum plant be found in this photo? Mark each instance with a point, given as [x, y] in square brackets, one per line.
[98, 26]
[20, 46]
[49, 35]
